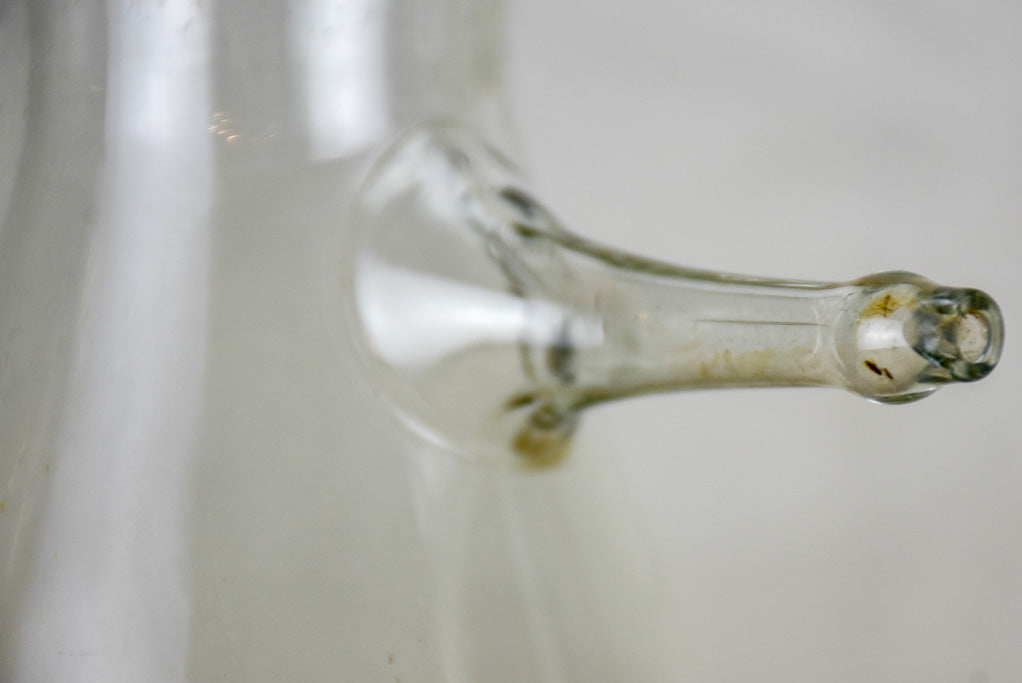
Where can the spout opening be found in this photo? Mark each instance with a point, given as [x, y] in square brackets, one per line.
[961, 331]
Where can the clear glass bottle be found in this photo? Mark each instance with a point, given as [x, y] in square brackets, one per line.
[206, 470]
[196, 482]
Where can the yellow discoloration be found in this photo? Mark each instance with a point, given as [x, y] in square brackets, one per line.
[541, 448]
[748, 366]
[884, 305]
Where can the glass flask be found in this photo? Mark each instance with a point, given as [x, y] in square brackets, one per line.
[286, 337]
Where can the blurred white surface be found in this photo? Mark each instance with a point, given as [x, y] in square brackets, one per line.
[805, 535]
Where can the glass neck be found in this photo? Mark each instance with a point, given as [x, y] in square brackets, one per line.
[492, 326]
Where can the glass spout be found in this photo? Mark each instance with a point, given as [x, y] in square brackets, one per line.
[491, 327]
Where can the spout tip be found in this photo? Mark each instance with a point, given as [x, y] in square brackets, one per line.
[909, 336]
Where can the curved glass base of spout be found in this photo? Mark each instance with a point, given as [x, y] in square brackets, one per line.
[489, 327]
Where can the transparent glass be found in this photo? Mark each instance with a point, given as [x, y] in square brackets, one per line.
[196, 482]
[490, 327]
[244, 353]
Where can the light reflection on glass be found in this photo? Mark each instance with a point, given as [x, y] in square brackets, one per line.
[338, 47]
[415, 319]
[881, 333]
[114, 518]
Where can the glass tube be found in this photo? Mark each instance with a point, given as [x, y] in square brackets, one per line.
[491, 327]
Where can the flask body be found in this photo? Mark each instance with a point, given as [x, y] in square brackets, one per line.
[196, 480]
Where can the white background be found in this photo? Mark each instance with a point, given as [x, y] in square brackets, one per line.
[806, 535]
